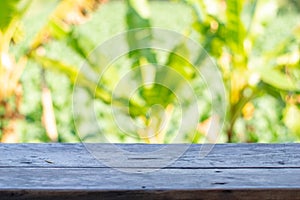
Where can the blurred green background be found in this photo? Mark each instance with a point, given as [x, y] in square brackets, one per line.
[254, 43]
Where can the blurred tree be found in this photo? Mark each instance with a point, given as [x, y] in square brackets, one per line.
[231, 31]
[229, 35]
[60, 25]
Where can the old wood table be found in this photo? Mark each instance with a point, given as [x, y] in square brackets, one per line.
[229, 171]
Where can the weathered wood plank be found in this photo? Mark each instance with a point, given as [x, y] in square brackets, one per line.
[229, 171]
[105, 179]
[221, 156]
[105, 183]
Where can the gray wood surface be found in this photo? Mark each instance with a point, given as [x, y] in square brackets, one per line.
[229, 171]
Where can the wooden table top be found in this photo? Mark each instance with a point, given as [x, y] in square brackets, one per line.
[142, 171]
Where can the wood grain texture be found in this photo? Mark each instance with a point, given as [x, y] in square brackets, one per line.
[229, 171]
[221, 156]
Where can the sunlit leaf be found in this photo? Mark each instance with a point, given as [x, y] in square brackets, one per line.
[278, 79]
[291, 118]
[137, 39]
[178, 59]
[253, 6]
[8, 11]
[141, 7]
[235, 28]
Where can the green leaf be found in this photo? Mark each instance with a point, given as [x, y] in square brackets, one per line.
[235, 28]
[278, 79]
[77, 77]
[74, 75]
[157, 94]
[291, 118]
[136, 19]
[57, 30]
[141, 7]
[135, 16]
[199, 10]
[266, 88]
[8, 10]
[253, 5]
[178, 60]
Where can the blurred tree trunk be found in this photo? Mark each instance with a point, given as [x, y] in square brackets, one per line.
[11, 117]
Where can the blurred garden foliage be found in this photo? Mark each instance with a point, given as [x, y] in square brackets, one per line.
[254, 43]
